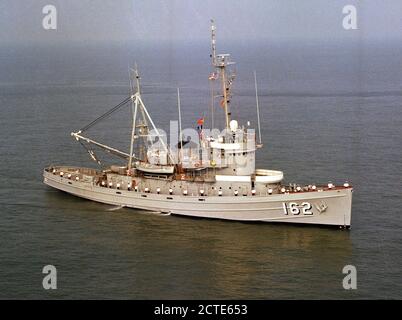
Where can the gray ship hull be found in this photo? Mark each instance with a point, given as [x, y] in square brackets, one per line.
[328, 207]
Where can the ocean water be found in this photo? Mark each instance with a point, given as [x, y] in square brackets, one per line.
[330, 112]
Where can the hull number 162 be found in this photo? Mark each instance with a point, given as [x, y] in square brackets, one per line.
[296, 209]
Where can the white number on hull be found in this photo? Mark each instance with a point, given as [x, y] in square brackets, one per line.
[294, 208]
[306, 209]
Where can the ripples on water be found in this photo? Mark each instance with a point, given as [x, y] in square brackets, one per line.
[326, 117]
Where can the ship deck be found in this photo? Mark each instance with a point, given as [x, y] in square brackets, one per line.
[78, 173]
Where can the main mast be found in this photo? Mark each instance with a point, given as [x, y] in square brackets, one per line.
[220, 63]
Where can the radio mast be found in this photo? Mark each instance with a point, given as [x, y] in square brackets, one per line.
[220, 63]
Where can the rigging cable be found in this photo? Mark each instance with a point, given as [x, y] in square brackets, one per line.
[91, 153]
[106, 114]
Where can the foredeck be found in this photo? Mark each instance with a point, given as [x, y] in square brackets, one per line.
[73, 171]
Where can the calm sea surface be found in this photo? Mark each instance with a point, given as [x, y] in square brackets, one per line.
[331, 112]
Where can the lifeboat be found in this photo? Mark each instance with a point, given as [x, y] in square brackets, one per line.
[154, 168]
[268, 176]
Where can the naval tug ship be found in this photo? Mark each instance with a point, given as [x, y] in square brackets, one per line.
[214, 177]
